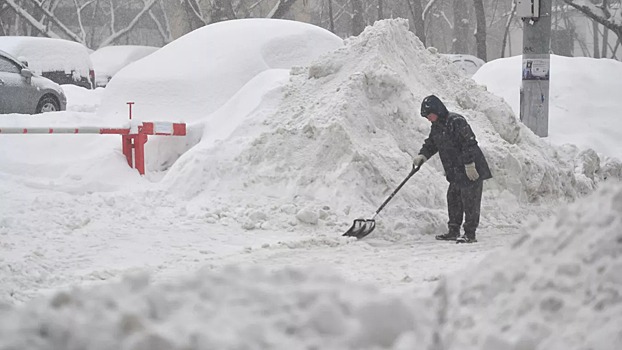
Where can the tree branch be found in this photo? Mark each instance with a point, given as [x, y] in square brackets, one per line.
[60, 24]
[597, 14]
[164, 31]
[280, 9]
[195, 10]
[115, 35]
[31, 20]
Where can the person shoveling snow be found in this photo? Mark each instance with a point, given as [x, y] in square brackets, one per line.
[465, 169]
[464, 164]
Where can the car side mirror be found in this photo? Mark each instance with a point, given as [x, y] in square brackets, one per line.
[23, 60]
[26, 73]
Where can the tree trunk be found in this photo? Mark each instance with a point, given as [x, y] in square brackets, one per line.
[595, 46]
[380, 14]
[358, 22]
[221, 10]
[461, 28]
[480, 33]
[330, 15]
[281, 8]
[605, 42]
[615, 49]
[507, 28]
[416, 11]
[605, 33]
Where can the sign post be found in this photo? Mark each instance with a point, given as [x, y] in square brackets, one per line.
[534, 91]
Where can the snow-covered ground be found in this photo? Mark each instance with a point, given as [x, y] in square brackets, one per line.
[232, 240]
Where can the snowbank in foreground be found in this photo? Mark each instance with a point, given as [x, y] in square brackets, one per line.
[557, 287]
[230, 309]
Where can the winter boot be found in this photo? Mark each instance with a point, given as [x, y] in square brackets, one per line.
[449, 236]
[468, 237]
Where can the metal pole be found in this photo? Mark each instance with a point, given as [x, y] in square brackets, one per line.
[534, 92]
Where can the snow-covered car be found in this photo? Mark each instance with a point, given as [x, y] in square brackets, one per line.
[23, 92]
[107, 61]
[62, 61]
[466, 63]
[178, 80]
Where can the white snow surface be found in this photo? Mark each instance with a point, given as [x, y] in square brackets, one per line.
[600, 114]
[48, 54]
[232, 240]
[109, 60]
[188, 79]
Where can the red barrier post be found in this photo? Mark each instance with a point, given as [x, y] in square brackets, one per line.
[132, 144]
[127, 149]
[139, 152]
[130, 105]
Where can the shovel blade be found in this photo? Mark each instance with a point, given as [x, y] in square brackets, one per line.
[361, 228]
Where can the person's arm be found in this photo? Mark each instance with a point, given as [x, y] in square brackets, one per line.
[467, 140]
[468, 144]
[428, 149]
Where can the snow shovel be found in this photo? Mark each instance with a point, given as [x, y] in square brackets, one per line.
[362, 227]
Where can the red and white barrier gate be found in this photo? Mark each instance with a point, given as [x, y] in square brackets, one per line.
[133, 137]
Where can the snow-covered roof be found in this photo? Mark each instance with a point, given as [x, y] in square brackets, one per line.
[107, 61]
[48, 54]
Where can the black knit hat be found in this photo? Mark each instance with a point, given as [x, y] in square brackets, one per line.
[433, 104]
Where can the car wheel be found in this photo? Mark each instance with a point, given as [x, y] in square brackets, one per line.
[47, 104]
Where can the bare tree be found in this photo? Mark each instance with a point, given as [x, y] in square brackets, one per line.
[416, 11]
[480, 32]
[42, 28]
[461, 27]
[281, 8]
[605, 32]
[123, 31]
[599, 13]
[507, 27]
[162, 26]
[193, 14]
[50, 24]
[331, 17]
[358, 21]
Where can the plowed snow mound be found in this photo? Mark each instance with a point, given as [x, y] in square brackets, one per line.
[557, 287]
[344, 135]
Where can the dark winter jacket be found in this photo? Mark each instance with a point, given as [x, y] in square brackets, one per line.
[452, 137]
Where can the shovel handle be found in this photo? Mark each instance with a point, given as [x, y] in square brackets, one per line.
[412, 172]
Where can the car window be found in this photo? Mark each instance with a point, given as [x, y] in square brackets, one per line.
[8, 66]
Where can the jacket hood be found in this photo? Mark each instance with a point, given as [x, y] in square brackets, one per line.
[433, 104]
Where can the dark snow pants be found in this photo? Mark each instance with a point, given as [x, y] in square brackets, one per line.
[464, 202]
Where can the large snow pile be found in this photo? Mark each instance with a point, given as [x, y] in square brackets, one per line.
[190, 78]
[597, 129]
[345, 133]
[558, 286]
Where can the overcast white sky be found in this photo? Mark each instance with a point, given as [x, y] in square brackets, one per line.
[232, 240]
